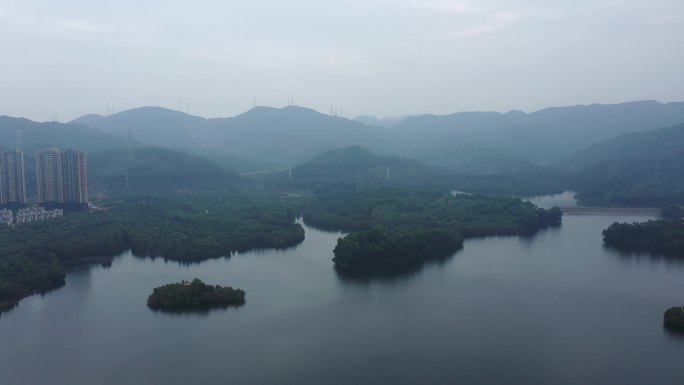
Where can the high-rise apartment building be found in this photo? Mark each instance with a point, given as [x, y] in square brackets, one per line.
[12, 177]
[62, 176]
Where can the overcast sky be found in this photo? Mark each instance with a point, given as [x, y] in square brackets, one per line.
[68, 58]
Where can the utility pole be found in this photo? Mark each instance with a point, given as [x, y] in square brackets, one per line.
[129, 159]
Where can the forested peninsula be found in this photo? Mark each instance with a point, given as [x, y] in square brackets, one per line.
[393, 227]
[664, 236]
[188, 227]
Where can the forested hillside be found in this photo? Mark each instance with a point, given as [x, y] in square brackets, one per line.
[657, 144]
[263, 137]
[184, 227]
[468, 142]
[355, 168]
[638, 169]
[154, 168]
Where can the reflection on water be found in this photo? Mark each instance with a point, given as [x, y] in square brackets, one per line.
[628, 255]
[390, 274]
[195, 310]
[674, 332]
[557, 308]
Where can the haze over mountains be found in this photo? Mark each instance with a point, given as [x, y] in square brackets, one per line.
[274, 138]
[387, 122]
[546, 135]
[657, 144]
[156, 168]
[637, 169]
[579, 147]
[32, 136]
[268, 137]
[358, 167]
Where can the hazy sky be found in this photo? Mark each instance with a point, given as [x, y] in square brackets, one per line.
[68, 58]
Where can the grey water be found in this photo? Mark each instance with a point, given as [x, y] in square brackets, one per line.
[555, 308]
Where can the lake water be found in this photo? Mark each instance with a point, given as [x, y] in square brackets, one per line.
[556, 308]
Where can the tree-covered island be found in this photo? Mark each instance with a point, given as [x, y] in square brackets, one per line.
[402, 226]
[195, 293]
[674, 318]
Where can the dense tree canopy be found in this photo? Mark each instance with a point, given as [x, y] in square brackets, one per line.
[661, 236]
[188, 228]
[194, 293]
[399, 226]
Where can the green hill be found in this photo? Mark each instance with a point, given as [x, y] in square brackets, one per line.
[154, 168]
[261, 138]
[358, 167]
[355, 167]
[472, 159]
[31, 136]
[283, 137]
[638, 169]
[647, 146]
[153, 125]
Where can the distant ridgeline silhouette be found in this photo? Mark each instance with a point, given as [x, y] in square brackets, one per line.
[636, 169]
[513, 149]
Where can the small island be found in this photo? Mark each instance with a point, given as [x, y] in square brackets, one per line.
[674, 318]
[195, 293]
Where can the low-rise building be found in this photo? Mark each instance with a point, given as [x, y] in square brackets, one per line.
[34, 214]
[6, 217]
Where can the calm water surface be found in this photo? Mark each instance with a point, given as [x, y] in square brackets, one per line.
[556, 308]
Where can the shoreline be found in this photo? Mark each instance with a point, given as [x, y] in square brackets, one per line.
[587, 210]
[76, 263]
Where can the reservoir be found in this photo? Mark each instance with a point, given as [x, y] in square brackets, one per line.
[554, 308]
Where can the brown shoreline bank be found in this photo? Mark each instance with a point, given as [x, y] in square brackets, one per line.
[646, 211]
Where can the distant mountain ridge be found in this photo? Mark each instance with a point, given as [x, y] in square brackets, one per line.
[276, 138]
[387, 122]
[546, 135]
[640, 166]
[151, 125]
[271, 137]
[292, 135]
[636, 169]
[31, 136]
[652, 145]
